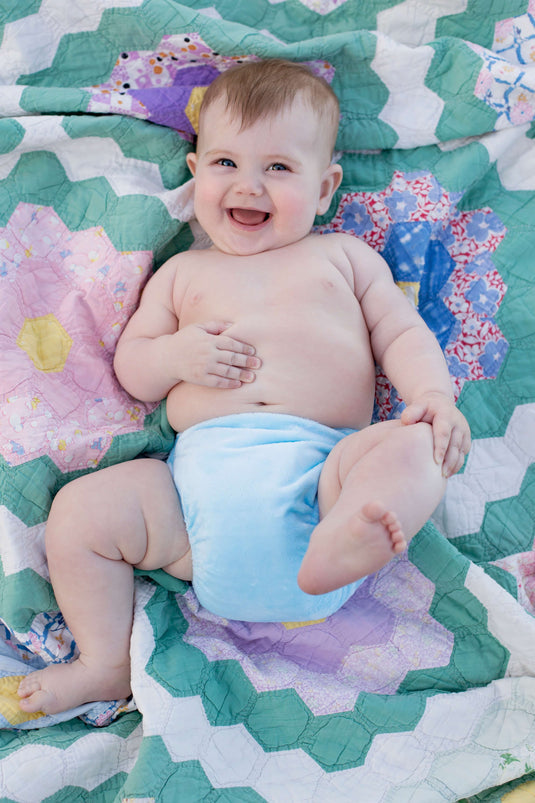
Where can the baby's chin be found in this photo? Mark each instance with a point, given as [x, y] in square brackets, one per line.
[248, 239]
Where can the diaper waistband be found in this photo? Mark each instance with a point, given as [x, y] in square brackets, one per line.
[283, 422]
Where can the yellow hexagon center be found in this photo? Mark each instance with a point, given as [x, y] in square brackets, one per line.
[46, 342]
[194, 105]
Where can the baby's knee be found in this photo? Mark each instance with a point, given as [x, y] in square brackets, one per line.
[66, 511]
[67, 503]
[79, 514]
[422, 432]
[418, 442]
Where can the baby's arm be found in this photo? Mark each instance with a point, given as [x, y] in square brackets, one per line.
[410, 355]
[153, 354]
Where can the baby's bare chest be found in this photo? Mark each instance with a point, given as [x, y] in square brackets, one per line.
[233, 294]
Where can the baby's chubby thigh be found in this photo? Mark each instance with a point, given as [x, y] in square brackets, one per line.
[167, 543]
[129, 511]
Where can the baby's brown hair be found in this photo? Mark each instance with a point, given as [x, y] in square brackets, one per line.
[257, 89]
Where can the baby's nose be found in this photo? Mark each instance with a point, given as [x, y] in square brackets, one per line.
[249, 184]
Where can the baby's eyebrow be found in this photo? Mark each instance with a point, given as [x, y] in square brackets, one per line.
[220, 152]
[285, 158]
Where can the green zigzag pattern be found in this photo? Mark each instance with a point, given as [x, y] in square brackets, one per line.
[229, 698]
[86, 203]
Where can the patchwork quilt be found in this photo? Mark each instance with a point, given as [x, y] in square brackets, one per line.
[422, 687]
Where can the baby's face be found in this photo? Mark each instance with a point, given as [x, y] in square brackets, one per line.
[260, 188]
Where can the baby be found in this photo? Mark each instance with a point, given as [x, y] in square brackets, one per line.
[264, 345]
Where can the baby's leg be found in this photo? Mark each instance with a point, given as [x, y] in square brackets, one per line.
[101, 525]
[377, 489]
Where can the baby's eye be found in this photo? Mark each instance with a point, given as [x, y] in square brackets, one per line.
[226, 162]
[278, 166]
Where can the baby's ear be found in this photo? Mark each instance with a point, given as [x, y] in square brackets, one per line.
[191, 159]
[329, 184]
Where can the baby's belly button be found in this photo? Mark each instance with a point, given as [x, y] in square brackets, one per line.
[263, 404]
[258, 402]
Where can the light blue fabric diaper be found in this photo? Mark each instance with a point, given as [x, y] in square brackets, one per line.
[248, 486]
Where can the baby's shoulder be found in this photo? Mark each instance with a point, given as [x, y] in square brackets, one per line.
[332, 241]
[354, 258]
[181, 264]
[341, 246]
[357, 251]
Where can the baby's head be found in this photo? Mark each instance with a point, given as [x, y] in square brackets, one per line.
[263, 164]
[261, 89]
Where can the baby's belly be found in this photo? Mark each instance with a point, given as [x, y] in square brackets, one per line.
[335, 403]
[315, 367]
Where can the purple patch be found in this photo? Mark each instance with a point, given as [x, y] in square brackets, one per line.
[166, 105]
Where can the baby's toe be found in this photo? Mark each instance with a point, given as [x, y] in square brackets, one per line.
[28, 685]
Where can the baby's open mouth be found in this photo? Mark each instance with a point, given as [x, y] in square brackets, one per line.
[249, 217]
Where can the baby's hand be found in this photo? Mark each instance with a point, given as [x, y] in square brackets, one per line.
[451, 433]
[213, 359]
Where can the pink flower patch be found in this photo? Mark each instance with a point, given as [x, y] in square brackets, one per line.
[64, 299]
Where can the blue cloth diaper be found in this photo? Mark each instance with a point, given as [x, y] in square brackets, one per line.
[248, 486]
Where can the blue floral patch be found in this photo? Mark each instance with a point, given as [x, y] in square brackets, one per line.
[415, 254]
[442, 258]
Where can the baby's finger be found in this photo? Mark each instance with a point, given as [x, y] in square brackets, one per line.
[232, 373]
[225, 343]
[413, 413]
[467, 443]
[441, 439]
[238, 359]
[454, 457]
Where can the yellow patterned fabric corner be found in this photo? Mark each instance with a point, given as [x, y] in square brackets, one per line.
[194, 105]
[9, 702]
[292, 625]
[411, 290]
[138, 800]
[522, 794]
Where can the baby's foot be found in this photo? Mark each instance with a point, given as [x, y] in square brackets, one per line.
[63, 686]
[342, 550]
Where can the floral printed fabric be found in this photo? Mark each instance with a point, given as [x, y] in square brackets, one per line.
[166, 85]
[442, 258]
[67, 295]
[507, 79]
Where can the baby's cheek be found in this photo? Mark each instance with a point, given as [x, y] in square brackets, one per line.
[296, 212]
